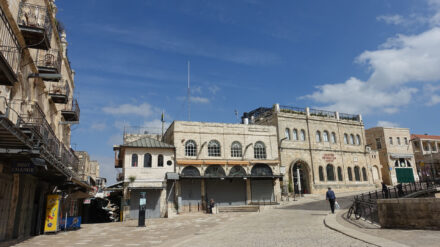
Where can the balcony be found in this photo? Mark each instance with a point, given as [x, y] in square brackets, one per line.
[9, 53]
[59, 92]
[71, 113]
[34, 23]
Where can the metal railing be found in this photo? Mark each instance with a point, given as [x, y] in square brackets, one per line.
[259, 112]
[34, 16]
[292, 109]
[322, 113]
[366, 203]
[59, 88]
[9, 46]
[49, 59]
[351, 117]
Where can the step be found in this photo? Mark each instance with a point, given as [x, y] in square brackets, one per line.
[247, 208]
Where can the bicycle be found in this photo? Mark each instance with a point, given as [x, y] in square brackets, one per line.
[356, 209]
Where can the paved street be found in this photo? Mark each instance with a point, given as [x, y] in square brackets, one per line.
[300, 224]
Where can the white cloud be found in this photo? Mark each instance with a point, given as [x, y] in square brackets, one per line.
[196, 99]
[387, 124]
[144, 110]
[434, 100]
[98, 126]
[391, 19]
[213, 89]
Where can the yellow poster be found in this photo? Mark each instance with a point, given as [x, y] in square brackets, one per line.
[52, 209]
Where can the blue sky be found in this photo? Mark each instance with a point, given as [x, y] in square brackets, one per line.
[380, 58]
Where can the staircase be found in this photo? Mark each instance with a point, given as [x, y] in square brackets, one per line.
[244, 208]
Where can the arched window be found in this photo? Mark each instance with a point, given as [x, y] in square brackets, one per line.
[321, 174]
[330, 173]
[236, 150]
[259, 150]
[214, 148]
[147, 160]
[160, 160]
[134, 160]
[237, 171]
[261, 170]
[295, 134]
[325, 136]
[318, 136]
[303, 135]
[190, 171]
[350, 175]
[339, 173]
[357, 173]
[408, 163]
[364, 174]
[345, 138]
[352, 139]
[287, 133]
[215, 171]
[358, 140]
[190, 148]
[333, 137]
[398, 141]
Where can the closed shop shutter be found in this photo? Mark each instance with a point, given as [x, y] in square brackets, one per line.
[5, 201]
[405, 175]
[227, 192]
[262, 191]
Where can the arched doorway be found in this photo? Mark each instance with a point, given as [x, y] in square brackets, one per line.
[303, 181]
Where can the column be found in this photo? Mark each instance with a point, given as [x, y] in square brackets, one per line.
[277, 190]
[248, 191]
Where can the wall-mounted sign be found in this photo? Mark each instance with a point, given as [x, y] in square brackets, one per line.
[329, 157]
[87, 201]
[23, 168]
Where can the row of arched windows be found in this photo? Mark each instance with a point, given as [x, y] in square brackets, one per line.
[214, 149]
[147, 160]
[326, 137]
[295, 136]
[330, 171]
[351, 140]
[235, 171]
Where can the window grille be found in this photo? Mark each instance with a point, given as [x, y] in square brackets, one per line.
[259, 151]
[214, 148]
[236, 150]
[190, 148]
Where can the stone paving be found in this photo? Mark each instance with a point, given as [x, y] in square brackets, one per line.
[298, 224]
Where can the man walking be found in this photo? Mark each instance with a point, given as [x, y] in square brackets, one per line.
[330, 196]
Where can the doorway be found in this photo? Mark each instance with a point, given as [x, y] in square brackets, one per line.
[301, 183]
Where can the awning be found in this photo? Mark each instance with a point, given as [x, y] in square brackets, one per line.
[401, 156]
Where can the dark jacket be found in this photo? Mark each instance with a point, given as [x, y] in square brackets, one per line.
[330, 195]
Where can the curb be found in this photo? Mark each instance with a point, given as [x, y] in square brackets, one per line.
[331, 222]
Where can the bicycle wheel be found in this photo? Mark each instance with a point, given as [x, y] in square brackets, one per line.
[350, 212]
[357, 213]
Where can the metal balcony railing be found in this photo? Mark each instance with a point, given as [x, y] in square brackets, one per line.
[35, 22]
[10, 49]
[259, 112]
[48, 61]
[59, 92]
[71, 112]
[292, 109]
[351, 117]
[322, 113]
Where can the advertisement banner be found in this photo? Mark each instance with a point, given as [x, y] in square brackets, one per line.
[71, 224]
[52, 211]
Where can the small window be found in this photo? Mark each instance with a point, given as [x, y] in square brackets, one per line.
[321, 174]
[303, 135]
[352, 139]
[160, 160]
[391, 141]
[169, 163]
[333, 137]
[147, 160]
[357, 173]
[406, 140]
[318, 136]
[358, 140]
[236, 150]
[339, 173]
[214, 148]
[398, 140]
[364, 174]
[259, 150]
[325, 136]
[330, 173]
[378, 143]
[295, 134]
[346, 139]
[134, 160]
[287, 133]
[350, 175]
[434, 147]
[190, 148]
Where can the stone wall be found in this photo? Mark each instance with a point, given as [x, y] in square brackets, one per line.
[411, 213]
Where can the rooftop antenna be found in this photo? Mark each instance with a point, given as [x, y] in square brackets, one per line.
[189, 93]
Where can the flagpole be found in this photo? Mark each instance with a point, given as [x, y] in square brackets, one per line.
[189, 93]
[163, 122]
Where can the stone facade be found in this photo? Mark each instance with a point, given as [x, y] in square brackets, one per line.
[230, 151]
[427, 155]
[323, 147]
[87, 169]
[395, 151]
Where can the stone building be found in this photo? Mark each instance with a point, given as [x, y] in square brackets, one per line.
[37, 108]
[88, 170]
[318, 148]
[427, 155]
[145, 161]
[395, 153]
[234, 164]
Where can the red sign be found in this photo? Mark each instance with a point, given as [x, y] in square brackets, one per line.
[329, 157]
[87, 201]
